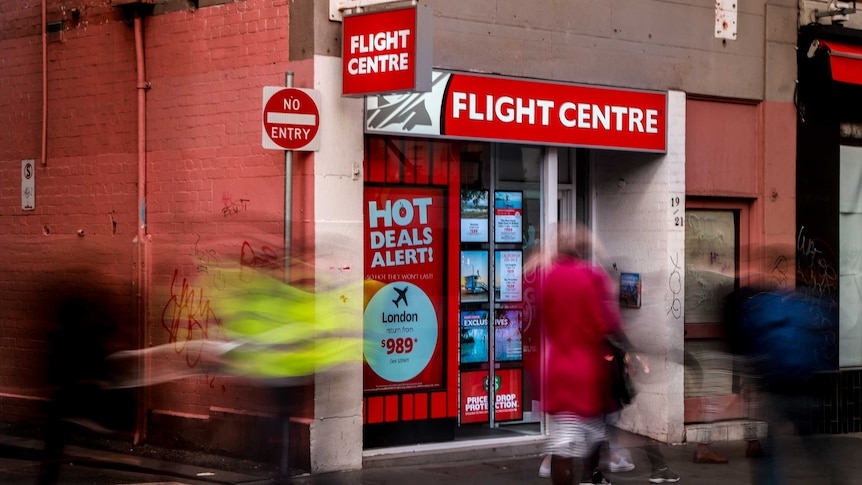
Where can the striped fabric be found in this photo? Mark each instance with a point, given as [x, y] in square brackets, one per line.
[573, 436]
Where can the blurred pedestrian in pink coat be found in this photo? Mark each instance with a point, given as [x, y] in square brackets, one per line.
[579, 313]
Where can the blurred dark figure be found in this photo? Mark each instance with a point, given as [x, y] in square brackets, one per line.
[81, 336]
[785, 338]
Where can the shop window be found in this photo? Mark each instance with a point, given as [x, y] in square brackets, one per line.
[489, 220]
[849, 273]
[711, 262]
[410, 384]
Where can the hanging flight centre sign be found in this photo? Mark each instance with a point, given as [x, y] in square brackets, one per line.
[291, 119]
[387, 51]
[494, 108]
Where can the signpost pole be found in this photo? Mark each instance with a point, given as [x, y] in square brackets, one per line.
[288, 196]
[288, 234]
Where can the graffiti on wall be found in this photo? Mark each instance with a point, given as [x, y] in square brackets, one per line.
[778, 273]
[190, 321]
[675, 286]
[710, 263]
[231, 206]
[207, 263]
[264, 258]
[814, 265]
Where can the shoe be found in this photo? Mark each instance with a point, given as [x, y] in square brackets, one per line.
[545, 467]
[623, 465]
[596, 479]
[753, 450]
[663, 475]
[705, 455]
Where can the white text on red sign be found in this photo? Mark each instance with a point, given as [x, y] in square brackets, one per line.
[570, 114]
[379, 42]
[291, 132]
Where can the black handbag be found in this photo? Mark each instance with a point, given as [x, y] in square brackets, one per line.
[622, 388]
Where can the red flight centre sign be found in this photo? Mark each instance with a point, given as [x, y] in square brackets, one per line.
[494, 108]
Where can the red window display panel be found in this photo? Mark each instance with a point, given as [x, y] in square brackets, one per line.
[438, 405]
[423, 162]
[412, 158]
[374, 409]
[420, 406]
[440, 164]
[394, 159]
[375, 152]
[508, 396]
[390, 408]
[407, 407]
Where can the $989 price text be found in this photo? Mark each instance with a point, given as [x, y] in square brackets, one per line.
[398, 345]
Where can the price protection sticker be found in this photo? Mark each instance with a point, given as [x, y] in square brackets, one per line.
[400, 331]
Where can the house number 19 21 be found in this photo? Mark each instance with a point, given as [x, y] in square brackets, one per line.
[674, 204]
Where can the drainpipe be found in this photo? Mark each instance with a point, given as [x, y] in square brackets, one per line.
[44, 82]
[142, 239]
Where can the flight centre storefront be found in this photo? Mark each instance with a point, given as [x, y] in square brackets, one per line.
[463, 184]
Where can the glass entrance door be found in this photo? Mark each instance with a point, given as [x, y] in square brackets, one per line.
[500, 344]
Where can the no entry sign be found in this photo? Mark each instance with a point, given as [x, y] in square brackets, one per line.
[291, 118]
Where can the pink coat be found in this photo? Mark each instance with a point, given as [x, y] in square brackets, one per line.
[578, 311]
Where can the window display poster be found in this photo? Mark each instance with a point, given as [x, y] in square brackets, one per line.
[474, 276]
[404, 288]
[474, 336]
[630, 290]
[508, 212]
[474, 215]
[508, 393]
[508, 323]
[508, 280]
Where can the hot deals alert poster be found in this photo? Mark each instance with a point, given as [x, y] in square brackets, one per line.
[508, 391]
[404, 262]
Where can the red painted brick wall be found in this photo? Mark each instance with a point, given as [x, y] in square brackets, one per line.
[214, 196]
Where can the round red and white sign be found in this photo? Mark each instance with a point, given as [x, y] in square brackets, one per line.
[291, 118]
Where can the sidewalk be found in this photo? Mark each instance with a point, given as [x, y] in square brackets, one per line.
[474, 465]
[197, 467]
[523, 469]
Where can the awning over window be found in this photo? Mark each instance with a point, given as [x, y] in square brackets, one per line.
[845, 61]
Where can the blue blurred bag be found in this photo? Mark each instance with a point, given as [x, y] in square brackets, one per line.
[788, 335]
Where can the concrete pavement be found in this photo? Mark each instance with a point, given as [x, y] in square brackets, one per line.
[475, 463]
[798, 467]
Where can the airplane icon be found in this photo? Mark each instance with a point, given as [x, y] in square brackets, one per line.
[402, 296]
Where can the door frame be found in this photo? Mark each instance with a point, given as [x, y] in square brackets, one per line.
[734, 405]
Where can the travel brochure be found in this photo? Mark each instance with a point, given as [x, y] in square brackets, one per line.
[474, 337]
[474, 345]
[474, 276]
[508, 215]
[508, 277]
[630, 290]
[474, 215]
[507, 335]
